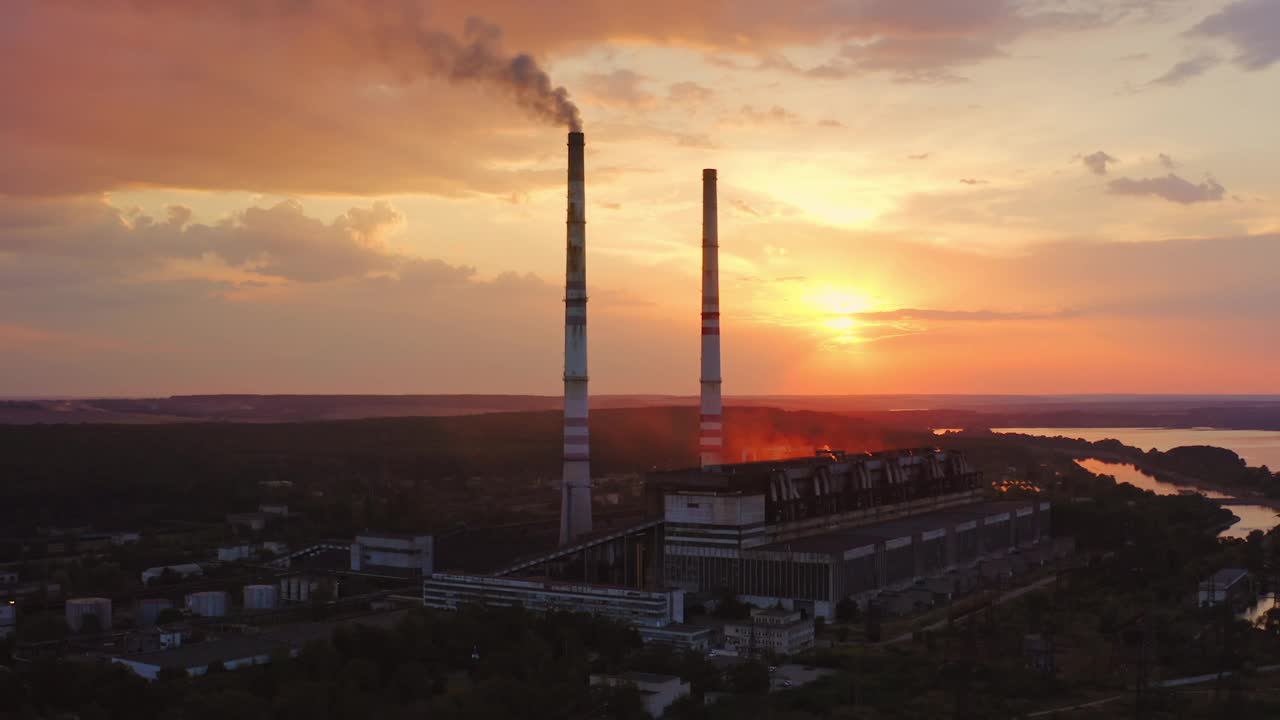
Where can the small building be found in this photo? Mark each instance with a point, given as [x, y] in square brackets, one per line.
[252, 521]
[125, 538]
[1223, 586]
[679, 635]
[8, 617]
[183, 570]
[234, 553]
[380, 553]
[782, 632]
[657, 692]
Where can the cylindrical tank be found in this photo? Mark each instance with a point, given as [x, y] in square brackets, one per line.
[212, 603]
[80, 608]
[149, 610]
[259, 597]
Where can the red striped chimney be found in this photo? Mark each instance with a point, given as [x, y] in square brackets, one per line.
[575, 492]
[711, 422]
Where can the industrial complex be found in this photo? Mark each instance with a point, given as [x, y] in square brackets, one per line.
[792, 537]
[795, 539]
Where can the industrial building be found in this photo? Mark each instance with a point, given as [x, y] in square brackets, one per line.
[641, 608]
[772, 631]
[387, 553]
[657, 692]
[679, 635]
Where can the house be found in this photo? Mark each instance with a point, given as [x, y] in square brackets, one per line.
[1223, 586]
[657, 692]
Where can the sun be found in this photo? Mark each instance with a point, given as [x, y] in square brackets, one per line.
[833, 309]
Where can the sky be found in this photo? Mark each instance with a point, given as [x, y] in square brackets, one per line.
[337, 196]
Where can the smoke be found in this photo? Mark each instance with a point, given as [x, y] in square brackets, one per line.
[394, 34]
[479, 58]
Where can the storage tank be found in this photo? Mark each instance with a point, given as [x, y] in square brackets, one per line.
[259, 597]
[212, 603]
[149, 610]
[80, 608]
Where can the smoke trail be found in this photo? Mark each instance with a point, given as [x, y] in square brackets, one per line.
[393, 32]
[479, 58]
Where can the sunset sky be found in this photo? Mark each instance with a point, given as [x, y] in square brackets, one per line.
[1012, 196]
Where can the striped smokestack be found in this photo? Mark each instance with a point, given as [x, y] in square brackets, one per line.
[711, 425]
[575, 498]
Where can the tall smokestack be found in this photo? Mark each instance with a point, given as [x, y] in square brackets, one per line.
[575, 498]
[711, 424]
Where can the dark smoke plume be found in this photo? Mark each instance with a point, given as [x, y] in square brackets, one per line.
[479, 58]
[393, 32]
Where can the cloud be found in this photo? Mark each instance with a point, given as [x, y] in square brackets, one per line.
[1252, 26]
[921, 156]
[1186, 70]
[1097, 162]
[1170, 187]
[973, 181]
[1167, 161]
[775, 114]
[910, 314]
[620, 87]
[689, 92]
[829, 123]
[361, 99]
[279, 241]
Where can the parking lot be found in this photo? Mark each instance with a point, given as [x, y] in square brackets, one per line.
[796, 675]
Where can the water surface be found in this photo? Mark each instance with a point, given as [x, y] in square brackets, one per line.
[1252, 517]
[1257, 447]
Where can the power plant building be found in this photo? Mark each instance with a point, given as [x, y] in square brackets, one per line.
[809, 532]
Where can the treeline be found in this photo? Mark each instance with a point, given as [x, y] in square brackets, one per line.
[127, 476]
[475, 664]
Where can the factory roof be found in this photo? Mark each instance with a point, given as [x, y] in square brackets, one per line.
[833, 542]
[843, 540]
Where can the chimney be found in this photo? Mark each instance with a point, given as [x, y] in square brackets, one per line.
[711, 423]
[575, 498]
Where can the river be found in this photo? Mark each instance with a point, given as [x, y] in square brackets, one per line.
[1257, 447]
[1252, 517]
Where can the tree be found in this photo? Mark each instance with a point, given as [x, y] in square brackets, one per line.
[731, 608]
[169, 615]
[847, 610]
[749, 677]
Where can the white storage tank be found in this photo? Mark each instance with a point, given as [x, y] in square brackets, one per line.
[149, 610]
[80, 608]
[212, 603]
[260, 597]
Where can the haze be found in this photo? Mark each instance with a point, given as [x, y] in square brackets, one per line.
[994, 196]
